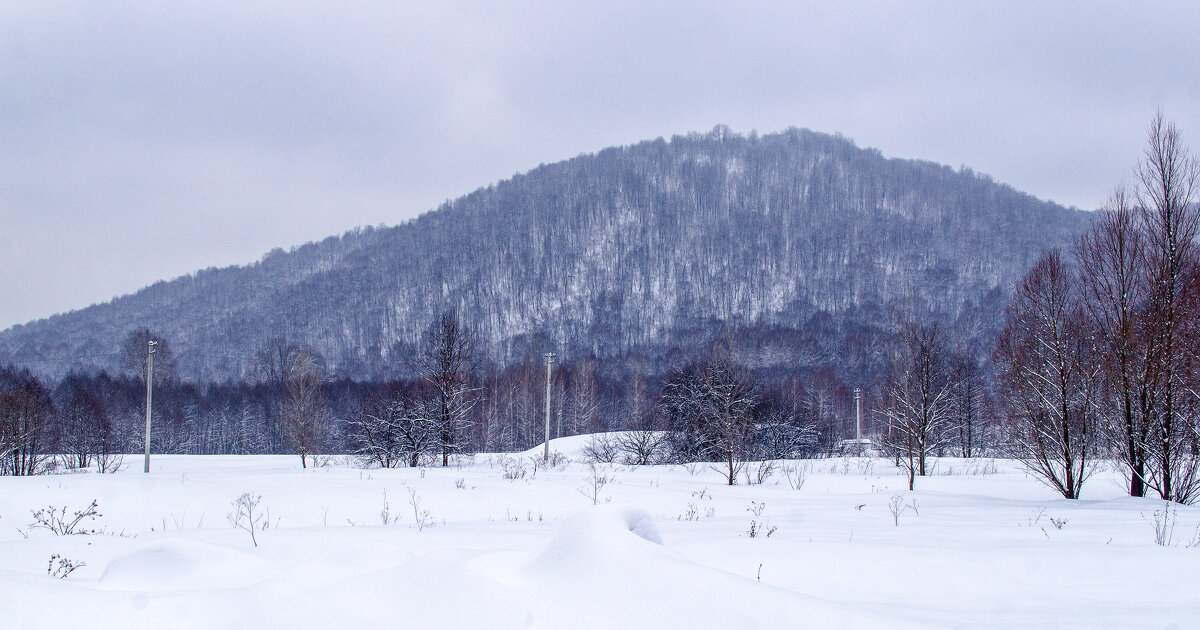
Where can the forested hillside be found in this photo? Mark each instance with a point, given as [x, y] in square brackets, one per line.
[809, 246]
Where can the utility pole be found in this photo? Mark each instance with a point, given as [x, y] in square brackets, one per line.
[549, 362]
[858, 420]
[149, 395]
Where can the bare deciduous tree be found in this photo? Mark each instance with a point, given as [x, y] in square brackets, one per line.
[919, 397]
[970, 405]
[85, 431]
[824, 396]
[1048, 375]
[447, 362]
[395, 428]
[25, 413]
[642, 442]
[643, 446]
[582, 407]
[716, 401]
[1114, 281]
[1169, 182]
[271, 368]
[304, 413]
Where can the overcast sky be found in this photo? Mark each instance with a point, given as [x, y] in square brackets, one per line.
[142, 141]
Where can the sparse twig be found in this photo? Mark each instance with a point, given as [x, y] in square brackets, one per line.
[1163, 522]
[796, 474]
[421, 517]
[385, 515]
[757, 527]
[244, 516]
[896, 505]
[596, 482]
[757, 475]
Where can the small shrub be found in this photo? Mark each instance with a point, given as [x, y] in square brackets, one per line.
[601, 449]
[421, 517]
[109, 463]
[642, 447]
[535, 463]
[759, 528]
[757, 475]
[512, 468]
[1163, 522]
[896, 505]
[245, 515]
[596, 482]
[558, 461]
[60, 524]
[796, 474]
[865, 466]
[385, 515]
[693, 511]
[61, 567]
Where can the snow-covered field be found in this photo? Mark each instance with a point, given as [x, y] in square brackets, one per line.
[979, 544]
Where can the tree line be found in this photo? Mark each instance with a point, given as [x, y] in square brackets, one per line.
[457, 403]
[1100, 354]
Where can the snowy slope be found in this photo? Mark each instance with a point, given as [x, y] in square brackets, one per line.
[809, 240]
[667, 547]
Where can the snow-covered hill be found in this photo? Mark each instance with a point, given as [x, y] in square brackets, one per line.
[807, 243]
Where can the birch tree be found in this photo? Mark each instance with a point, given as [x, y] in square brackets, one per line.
[304, 413]
[583, 410]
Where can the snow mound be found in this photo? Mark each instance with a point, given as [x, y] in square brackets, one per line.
[605, 534]
[615, 555]
[573, 447]
[180, 565]
[641, 523]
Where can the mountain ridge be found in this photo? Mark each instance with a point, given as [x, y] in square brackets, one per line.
[640, 249]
